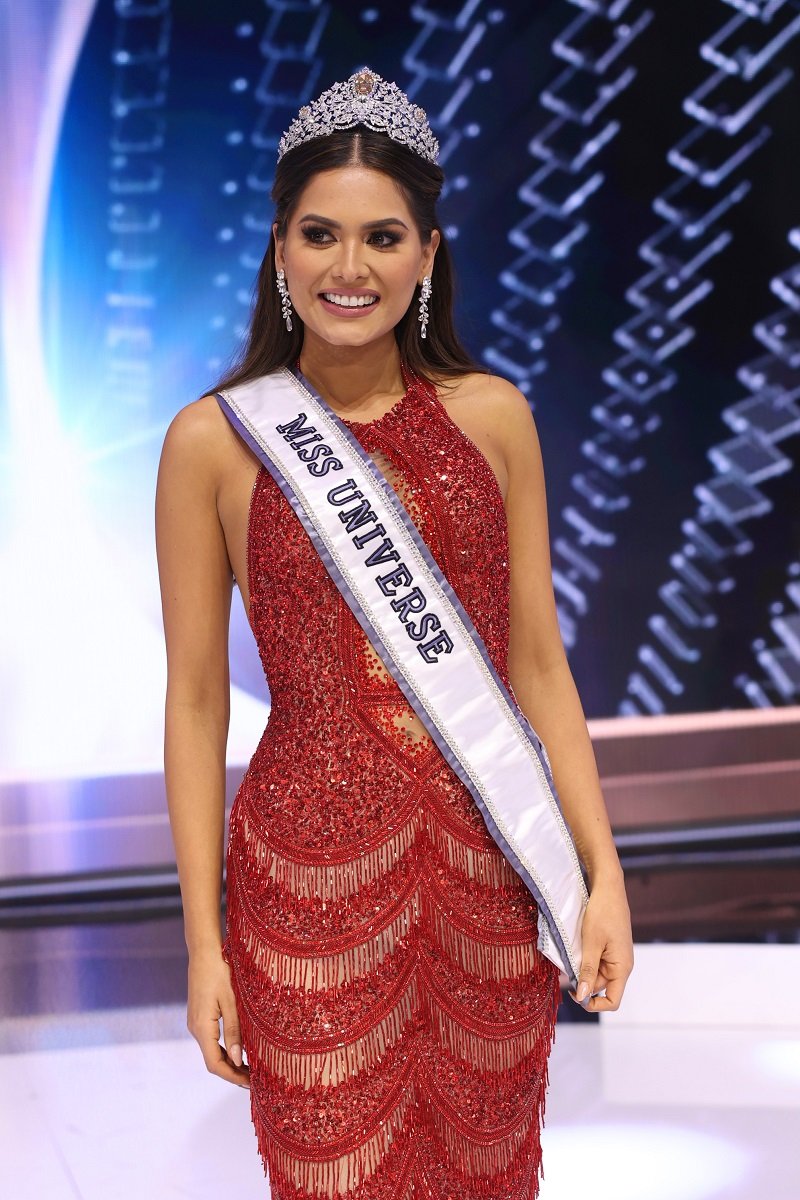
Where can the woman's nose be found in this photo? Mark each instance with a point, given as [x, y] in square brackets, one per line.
[350, 262]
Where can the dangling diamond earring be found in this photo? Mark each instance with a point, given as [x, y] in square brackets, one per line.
[424, 297]
[286, 302]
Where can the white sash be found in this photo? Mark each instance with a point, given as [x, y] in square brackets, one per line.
[418, 626]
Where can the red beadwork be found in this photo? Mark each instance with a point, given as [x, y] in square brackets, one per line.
[396, 1015]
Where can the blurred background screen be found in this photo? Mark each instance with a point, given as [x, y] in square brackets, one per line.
[622, 202]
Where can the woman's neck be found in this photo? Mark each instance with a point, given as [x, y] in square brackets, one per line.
[353, 378]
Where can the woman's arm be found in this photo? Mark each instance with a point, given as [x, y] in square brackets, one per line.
[196, 586]
[544, 687]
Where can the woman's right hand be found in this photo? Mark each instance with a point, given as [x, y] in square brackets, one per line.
[211, 998]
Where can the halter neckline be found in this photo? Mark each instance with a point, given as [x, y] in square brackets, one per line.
[410, 381]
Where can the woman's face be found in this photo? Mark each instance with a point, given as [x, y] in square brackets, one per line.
[352, 255]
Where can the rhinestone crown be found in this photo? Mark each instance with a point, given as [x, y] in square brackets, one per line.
[363, 99]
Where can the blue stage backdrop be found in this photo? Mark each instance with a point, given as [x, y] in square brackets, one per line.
[624, 206]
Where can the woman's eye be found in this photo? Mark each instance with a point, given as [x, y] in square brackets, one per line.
[314, 233]
[388, 239]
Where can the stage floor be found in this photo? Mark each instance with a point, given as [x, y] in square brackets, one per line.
[118, 1105]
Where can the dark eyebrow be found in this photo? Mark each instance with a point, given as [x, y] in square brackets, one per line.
[366, 225]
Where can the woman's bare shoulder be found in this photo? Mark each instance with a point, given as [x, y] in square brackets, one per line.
[479, 383]
[495, 398]
[198, 433]
[199, 419]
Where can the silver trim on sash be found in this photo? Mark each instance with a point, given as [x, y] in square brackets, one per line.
[502, 762]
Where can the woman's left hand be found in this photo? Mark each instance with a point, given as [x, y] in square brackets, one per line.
[607, 958]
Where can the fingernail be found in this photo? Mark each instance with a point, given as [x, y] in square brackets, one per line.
[583, 991]
[236, 1055]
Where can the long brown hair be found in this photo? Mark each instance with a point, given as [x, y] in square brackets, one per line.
[268, 344]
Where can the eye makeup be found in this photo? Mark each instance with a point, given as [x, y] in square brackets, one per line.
[317, 233]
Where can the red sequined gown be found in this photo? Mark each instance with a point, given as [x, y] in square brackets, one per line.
[396, 1015]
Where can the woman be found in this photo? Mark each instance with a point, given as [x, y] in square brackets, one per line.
[381, 966]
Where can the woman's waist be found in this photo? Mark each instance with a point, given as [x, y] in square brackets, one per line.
[307, 708]
[299, 733]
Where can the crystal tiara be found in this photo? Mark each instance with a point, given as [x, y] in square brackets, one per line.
[363, 99]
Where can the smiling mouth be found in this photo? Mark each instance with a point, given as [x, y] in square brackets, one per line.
[345, 301]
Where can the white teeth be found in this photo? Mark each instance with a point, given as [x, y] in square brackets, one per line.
[349, 301]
